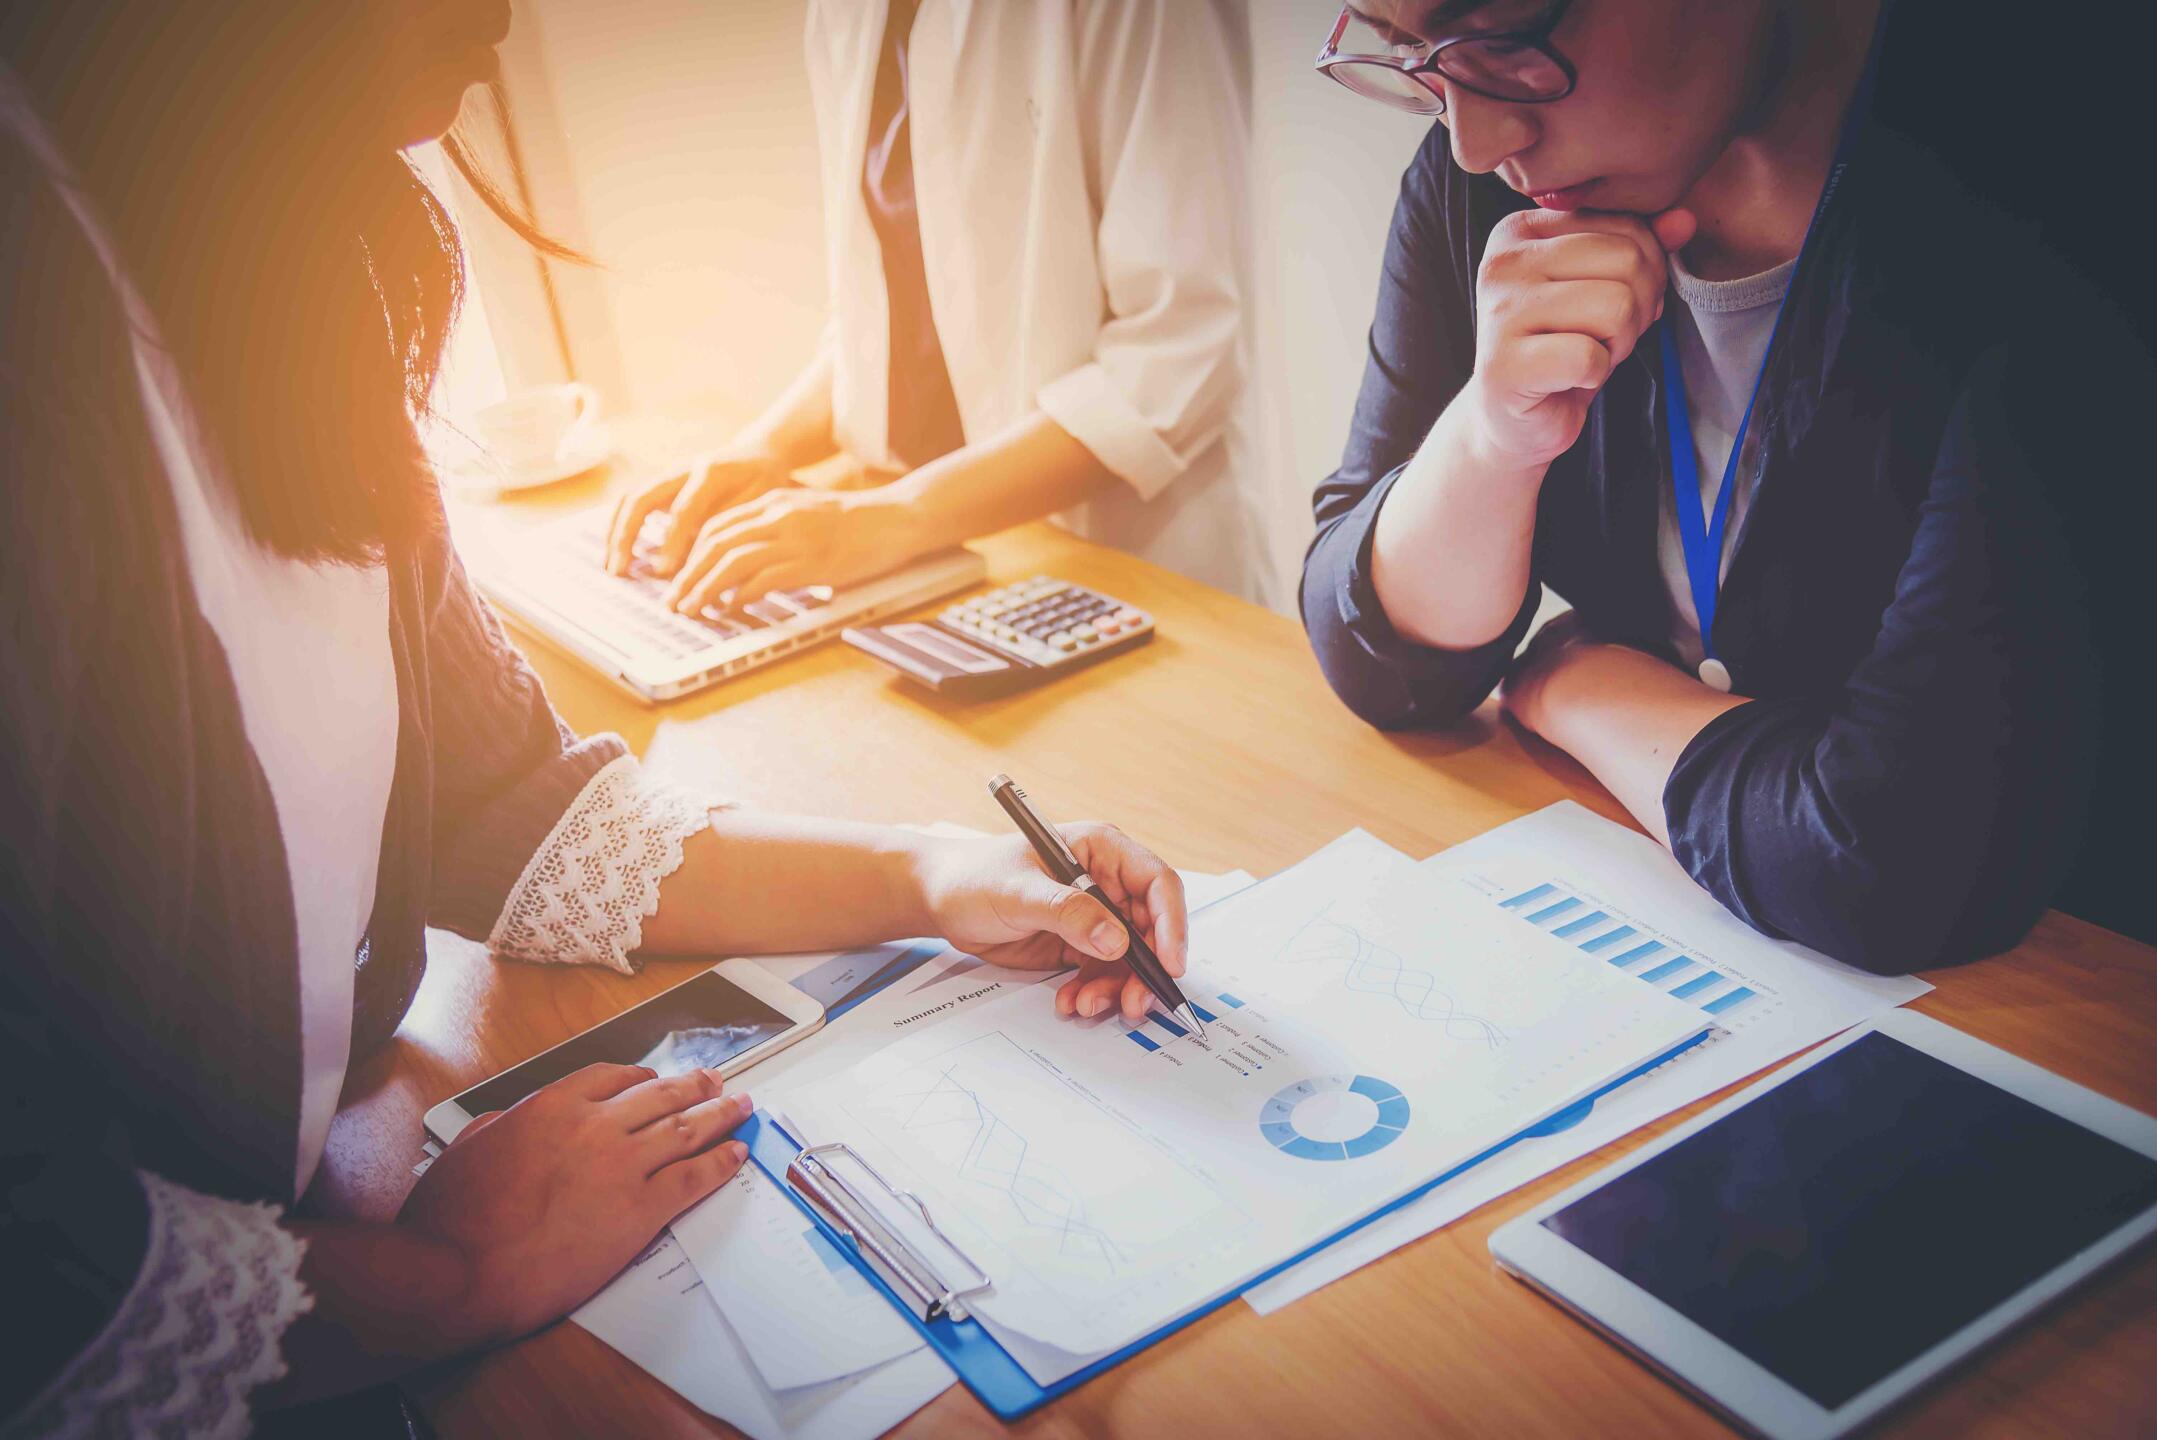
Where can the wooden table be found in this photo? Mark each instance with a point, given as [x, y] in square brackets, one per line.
[1220, 745]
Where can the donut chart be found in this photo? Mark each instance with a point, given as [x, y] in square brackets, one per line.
[1334, 1117]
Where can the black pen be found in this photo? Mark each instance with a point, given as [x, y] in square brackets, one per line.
[1061, 863]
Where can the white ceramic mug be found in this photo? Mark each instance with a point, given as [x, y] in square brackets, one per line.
[535, 429]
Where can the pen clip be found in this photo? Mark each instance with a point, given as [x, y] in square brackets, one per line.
[1021, 810]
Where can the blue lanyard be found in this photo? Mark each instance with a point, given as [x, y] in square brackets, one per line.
[1702, 534]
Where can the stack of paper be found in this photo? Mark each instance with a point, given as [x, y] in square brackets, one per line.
[1369, 1026]
[1371, 1022]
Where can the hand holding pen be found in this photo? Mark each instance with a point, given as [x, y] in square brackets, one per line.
[1150, 914]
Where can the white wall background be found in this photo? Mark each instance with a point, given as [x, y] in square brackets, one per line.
[673, 140]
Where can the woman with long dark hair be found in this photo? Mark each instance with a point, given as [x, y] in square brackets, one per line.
[256, 733]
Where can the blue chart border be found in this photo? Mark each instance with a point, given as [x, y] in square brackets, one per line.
[999, 1381]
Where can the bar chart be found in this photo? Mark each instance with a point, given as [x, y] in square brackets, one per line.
[1157, 1029]
[1638, 949]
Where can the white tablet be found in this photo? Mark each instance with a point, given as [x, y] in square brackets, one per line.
[726, 1018]
[1812, 1250]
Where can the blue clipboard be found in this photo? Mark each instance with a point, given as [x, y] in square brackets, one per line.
[998, 1380]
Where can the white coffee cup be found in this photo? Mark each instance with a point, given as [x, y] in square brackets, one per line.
[537, 430]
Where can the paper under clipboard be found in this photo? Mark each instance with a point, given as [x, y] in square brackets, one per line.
[935, 1304]
[1331, 976]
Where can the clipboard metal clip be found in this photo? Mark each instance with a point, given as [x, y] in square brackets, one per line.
[898, 1263]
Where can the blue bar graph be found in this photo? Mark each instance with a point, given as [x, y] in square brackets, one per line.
[1586, 922]
[1555, 908]
[1229, 1000]
[1730, 1001]
[1169, 1025]
[1205, 1016]
[1143, 1040]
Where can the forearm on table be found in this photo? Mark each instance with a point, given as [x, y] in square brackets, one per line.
[796, 428]
[386, 1302]
[1033, 469]
[1451, 548]
[1627, 716]
[762, 884]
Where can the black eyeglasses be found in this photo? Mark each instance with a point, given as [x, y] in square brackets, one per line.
[1520, 66]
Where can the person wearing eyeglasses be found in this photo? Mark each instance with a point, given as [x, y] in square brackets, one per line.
[1038, 231]
[1704, 317]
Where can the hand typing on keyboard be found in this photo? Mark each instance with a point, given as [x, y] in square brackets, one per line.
[787, 539]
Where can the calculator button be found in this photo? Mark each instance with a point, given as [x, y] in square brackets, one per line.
[1106, 627]
[1130, 617]
[1083, 631]
[1062, 640]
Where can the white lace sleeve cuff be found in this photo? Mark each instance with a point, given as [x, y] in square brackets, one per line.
[201, 1328]
[587, 890]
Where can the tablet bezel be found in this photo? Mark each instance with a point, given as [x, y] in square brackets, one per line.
[1740, 1386]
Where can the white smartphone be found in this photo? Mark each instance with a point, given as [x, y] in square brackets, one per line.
[725, 1019]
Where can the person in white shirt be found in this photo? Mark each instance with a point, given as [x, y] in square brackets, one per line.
[1038, 264]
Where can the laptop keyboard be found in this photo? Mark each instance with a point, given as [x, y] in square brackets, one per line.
[635, 604]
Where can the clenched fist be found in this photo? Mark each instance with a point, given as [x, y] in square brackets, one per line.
[1561, 298]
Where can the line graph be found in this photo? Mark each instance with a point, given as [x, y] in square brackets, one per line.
[986, 1151]
[1369, 968]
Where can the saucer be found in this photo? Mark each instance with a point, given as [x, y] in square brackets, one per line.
[483, 474]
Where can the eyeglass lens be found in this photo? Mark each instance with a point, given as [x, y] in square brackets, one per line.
[1389, 85]
[1503, 69]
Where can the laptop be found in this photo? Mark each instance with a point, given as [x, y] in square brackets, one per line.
[550, 578]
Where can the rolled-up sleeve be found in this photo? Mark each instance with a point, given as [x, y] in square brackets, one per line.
[1165, 85]
[1422, 350]
[1924, 813]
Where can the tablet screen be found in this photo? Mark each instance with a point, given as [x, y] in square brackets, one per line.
[1859, 1213]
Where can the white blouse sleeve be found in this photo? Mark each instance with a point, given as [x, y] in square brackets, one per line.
[201, 1328]
[586, 892]
[1166, 106]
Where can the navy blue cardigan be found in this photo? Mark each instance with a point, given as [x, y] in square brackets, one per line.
[1906, 606]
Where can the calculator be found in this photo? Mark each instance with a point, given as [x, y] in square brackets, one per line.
[1007, 639]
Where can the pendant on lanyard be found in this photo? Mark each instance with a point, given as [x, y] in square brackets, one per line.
[1701, 532]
